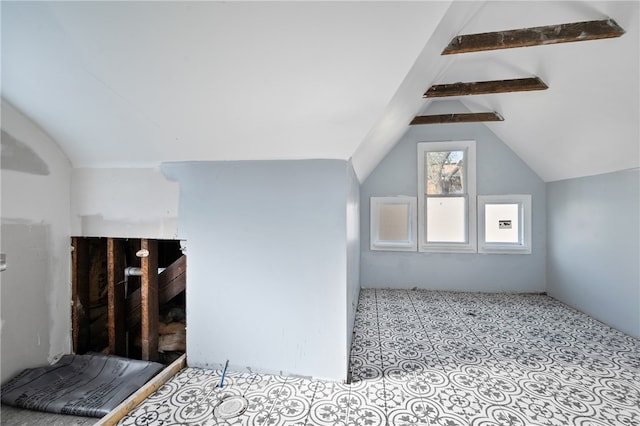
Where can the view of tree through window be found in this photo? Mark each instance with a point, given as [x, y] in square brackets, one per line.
[445, 172]
[445, 201]
[447, 204]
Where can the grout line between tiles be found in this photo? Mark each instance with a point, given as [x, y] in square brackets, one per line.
[510, 322]
[274, 401]
[384, 386]
[424, 328]
[414, 374]
[444, 369]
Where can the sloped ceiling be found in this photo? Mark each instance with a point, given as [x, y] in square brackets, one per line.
[134, 84]
[137, 83]
[586, 123]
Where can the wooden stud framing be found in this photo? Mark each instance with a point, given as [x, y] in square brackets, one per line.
[485, 87]
[171, 282]
[149, 300]
[80, 293]
[104, 314]
[116, 297]
[535, 36]
[457, 118]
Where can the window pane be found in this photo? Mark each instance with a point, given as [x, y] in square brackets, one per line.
[445, 172]
[501, 223]
[393, 222]
[446, 219]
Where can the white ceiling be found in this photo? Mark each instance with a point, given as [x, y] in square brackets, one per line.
[134, 84]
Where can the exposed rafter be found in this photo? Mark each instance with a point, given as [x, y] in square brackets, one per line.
[562, 33]
[456, 118]
[484, 87]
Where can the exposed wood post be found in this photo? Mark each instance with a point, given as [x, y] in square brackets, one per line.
[149, 299]
[116, 297]
[80, 294]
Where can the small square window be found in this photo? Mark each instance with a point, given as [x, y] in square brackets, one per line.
[393, 223]
[504, 224]
[393, 220]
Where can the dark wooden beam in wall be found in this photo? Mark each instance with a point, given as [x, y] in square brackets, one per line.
[535, 36]
[117, 302]
[473, 117]
[485, 87]
[149, 300]
[171, 282]
[80, 271]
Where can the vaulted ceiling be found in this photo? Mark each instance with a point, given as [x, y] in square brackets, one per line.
[134, 84]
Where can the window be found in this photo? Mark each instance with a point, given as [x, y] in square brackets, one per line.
[447, 196]
[504, 224]
[393, 223]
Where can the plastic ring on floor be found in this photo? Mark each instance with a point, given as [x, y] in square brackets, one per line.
[231, 407]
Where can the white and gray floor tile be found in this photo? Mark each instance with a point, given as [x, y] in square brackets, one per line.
[437, 358]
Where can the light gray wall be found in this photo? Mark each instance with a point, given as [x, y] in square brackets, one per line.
[353, 250]
[268, 276]
[499, 171]
[35, 289]
[594, 246]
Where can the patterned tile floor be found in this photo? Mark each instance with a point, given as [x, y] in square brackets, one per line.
[437, 358]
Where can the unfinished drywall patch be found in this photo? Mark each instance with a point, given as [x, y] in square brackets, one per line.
[16, 155]
[25, 312]
[127, 203]
[36, 205]
[97, 225]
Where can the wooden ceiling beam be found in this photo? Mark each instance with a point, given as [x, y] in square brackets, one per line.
[535, 36]
[474, 117]
[485, 87]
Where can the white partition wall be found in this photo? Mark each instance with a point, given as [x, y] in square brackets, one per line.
[268, 276]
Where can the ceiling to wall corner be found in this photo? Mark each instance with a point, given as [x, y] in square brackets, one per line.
[121, 84]
[134, 84]
[587, 122]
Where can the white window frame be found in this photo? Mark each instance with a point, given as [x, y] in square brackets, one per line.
[410, 243]
[524, 208]
[469, 146]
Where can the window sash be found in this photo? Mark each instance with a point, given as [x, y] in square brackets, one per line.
[407, 244]
[523, 246]
[462, 173]
[465, 220]
[469, 188]
[519, 223]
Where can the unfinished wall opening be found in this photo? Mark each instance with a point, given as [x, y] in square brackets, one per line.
[129, 297]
